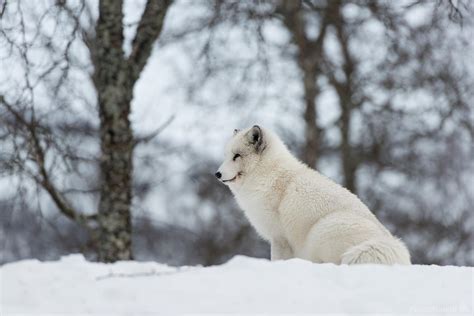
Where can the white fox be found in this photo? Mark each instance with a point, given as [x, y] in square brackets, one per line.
[302, 213]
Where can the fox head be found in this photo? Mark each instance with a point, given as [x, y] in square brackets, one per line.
[242, 154]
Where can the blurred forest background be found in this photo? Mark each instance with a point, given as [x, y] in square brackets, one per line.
[113, 118]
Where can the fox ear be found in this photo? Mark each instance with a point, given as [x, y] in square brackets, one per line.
[255, 138]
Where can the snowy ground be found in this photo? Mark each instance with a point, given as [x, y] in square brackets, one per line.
[243, 285]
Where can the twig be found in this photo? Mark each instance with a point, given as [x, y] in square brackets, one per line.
[3, 7]
[147, 138]
[143, 274]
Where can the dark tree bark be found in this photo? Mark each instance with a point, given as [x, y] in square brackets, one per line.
[309, 53]
[347, 103]
[114, 78]
[114, 96]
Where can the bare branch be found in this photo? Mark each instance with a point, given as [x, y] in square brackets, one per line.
[457, 9]
[147, 138]
[44, 178]
[3, 7]
[148, 31]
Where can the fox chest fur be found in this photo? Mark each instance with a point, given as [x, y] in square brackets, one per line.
[261, 212]
[260, 199]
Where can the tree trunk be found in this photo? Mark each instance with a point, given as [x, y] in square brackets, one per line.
[116, 170]
[311, 145]
[349, 162]
[114, 91]
[114, 78]
[345, 91]
[309, 54]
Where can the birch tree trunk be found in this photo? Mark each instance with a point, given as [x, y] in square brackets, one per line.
[114, 78]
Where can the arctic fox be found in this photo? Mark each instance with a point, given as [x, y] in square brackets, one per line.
[302, 213]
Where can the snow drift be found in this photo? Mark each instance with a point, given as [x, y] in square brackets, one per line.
[243, 285]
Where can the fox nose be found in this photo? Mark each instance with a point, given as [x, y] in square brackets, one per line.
[218, 175]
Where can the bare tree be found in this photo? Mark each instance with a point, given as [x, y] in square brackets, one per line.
[114, 77]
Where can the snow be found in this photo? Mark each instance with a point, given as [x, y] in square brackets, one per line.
[243, 285]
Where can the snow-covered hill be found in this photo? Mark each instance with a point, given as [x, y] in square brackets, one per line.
[244, 285]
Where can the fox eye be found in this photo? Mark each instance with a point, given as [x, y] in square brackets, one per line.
[236, 156]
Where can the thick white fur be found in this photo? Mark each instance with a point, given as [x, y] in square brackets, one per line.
[299, 211]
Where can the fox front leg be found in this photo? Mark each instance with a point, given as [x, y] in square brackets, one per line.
[281, 249]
